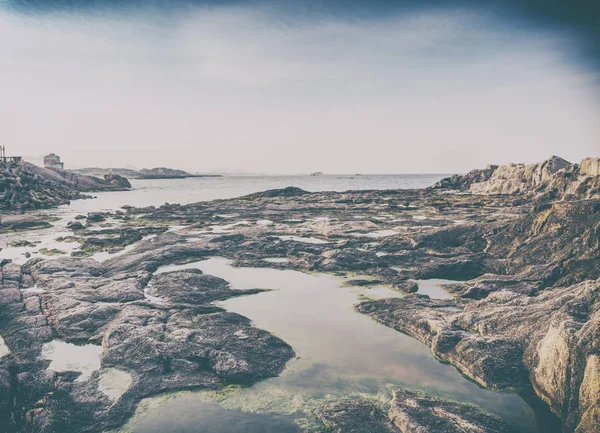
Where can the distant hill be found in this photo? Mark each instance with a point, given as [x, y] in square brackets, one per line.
[145, 173]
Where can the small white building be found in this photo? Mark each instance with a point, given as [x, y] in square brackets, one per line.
[53, 161]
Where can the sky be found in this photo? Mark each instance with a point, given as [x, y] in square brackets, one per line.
[331, 86]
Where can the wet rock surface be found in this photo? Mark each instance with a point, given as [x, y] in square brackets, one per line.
[357, 416]
[417, 413]
[409, 412]
[523, 313]
[187, 344]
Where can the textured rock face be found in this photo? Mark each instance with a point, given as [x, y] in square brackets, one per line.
[25, 186]
[418, 413]
[192, 287]
[520, 178]
[22, 188]
[462, 182]
[525, 310]
[509, 340]
[184, 344]
[118, 181]
[590, 167]
[409, 412]
[551, 179]
[356, 416]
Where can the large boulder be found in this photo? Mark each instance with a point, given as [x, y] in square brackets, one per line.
[116, 180]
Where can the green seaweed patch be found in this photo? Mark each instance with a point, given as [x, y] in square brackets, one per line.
[68, 239]
[81, 254]
[51, 219]
[21, 243]
[25, 226]
[52, 252]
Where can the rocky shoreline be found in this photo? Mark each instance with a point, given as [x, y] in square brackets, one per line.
[25, 186]
[523, 315]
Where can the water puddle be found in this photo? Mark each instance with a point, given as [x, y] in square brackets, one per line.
[107, 255]
[376, 234]
[114, 383]
[204, 416]
[276, 260]
[39, 242]
[34, 289]
[70, 357]
[305, 240]
[433, 289]
[4, 350]
[340, 352]
[227, 228]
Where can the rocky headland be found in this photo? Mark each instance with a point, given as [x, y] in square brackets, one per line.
[25, 186]
[521, 242]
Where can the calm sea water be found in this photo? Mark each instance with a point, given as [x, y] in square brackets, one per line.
[191, 190]
[160, 191]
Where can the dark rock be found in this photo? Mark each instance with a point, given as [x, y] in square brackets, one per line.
[96, 217]
[193, 287]
[460, 182]
[75, 225]
[356, 416]
[290, 191]
[417, 413]
[119, 181]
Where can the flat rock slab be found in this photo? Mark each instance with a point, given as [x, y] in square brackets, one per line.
[417, 413]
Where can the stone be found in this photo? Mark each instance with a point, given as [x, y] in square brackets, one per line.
[356, 416]
[413, 412]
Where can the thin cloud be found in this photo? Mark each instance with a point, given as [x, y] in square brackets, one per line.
[249, 88]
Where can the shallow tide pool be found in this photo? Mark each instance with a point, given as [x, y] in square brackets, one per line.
[339, 353]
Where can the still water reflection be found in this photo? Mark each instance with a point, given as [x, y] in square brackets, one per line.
[339, 351]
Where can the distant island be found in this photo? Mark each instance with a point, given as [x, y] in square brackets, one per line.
[145, 173]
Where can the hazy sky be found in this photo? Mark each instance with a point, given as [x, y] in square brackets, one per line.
[261, 87]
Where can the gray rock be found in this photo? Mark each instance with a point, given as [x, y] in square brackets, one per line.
[417, 413]
[355, 416]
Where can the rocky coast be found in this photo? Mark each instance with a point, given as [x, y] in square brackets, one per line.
[25, 186]
[520, 242]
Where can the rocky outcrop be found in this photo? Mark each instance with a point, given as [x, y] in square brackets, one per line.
[462, 182]
[523, 315]
[520, 178]
[409, 412]
[24, 186]
[590, 167]
[551, 179]
[290, 191]
[118, 181]
[355, 415]
[82, 182]
[509, 340]
[184, 344]
[418, 413]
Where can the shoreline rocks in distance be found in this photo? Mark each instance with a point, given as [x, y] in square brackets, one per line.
[144, 173]
[25, 186]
